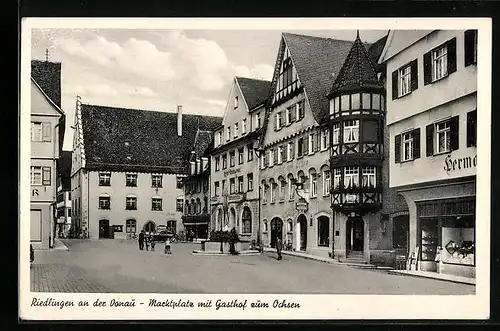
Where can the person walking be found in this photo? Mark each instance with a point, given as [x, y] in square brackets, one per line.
[141, 240]
[279, 247]
[147, 241]
[168, 249]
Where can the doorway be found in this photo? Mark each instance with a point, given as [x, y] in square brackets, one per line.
[150, 227]
[355, 234]
[276, 230]
[103, 229]
[302, 240]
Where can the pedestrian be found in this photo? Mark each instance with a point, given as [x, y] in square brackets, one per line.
[279, 247]
[141, 240]
[168, 249]
[147, 241]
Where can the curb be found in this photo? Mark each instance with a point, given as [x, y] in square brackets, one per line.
[457, 281]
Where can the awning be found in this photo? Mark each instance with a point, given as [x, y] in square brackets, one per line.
[195, 223]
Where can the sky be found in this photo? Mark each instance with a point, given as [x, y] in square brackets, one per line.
[160, 69]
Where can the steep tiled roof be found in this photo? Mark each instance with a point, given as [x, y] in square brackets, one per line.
[375, 50]
[202, 142]
[140, 140]
[358, 72]
[255, 91]
[315, 60]
[48, 76]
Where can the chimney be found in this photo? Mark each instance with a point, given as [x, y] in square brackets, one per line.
[179, 120]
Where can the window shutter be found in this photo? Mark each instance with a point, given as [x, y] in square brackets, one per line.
[427, 68]
[276, 122]
[471, 128]
[46, 131]
[416, 143]
[414, 74]
[452, 55]
[46, 176]
[429, 139]
[394, 85]
[470, 46]
[397, 148]
[454, 133]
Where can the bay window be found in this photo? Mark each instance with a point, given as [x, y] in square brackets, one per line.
[351, 177]
[351, 131]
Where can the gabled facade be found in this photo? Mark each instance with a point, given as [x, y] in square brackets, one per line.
[47, 120]
[128, 169]
[431, 119]
[234, 168]
[294, 176]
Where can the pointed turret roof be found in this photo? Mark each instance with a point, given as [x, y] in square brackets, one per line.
[358, 73]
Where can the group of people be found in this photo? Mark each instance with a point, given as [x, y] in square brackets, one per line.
[148, 240]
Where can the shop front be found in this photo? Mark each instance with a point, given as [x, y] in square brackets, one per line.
[446, 235]
[196, 226]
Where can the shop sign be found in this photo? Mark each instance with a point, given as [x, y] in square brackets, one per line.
[302, 206]
[231, 172]
[234, 198]
[458, 164]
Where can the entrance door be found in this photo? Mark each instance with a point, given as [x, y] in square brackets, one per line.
[354, 234]
[303, 232]
[276, 230]
[103, 229]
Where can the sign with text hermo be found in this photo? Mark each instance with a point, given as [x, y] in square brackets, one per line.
[301, 206]
[452, 163]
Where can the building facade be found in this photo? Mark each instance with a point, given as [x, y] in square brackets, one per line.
[63, 199]
[47, 131]
[234, 168]
[128, 168]
[196, 215]
[431, 119]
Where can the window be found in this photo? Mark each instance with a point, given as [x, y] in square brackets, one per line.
[324, 140]
[217, 189]
[407, 146]
[291, 189]
[243, 126]
[369, 177]
[250, 182]
[36, 175]
[266, 189]
[224, 161]
[291, 150]
[336, 133]
[241, 155]
[217, 163]
[235, 102]
[36, 131]
[205, 185]
[217, 139]
[281, 154]
[440, 62]
[404, 81]
[263, 161]
[314, 184]
[265, 226]
[130, 226]
[258, 120]
[443, 137]
[273, 192]
[311, 143]
[471, 128]
[179, 203]
[279, 120]
[131, 180]
[172, 226]
[300, 110]
[156, 204]
[232, 156]
[228, 133]
[288, 118]
[351, 178]
[249, 152]
[323, 231]
[351, 131]
[470, 47]
[300, 147]
[232, 187]
[236, 130]
[246, 219]
[271, 157]
[282, 188]
[156, 181]
[179, 182]
[131, 203]
[223, 186]
[355, 101]
[326, 182]
[241, 184]
[286, 75]
[104, 202]
[104, 178]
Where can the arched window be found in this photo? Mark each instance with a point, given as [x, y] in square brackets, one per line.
[323, 231]
[187, 210]
[104, 201]
[130, 226]
[265, 191]
[272, 186]
[291, 187]
[150, 226]
[282, 188]
[193, 207]
[247, 220]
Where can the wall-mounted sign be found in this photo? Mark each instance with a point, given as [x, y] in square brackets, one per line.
[235, 197]
[231, 172]
[461, 163]
[302, 206]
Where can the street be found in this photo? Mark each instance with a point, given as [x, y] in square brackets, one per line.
[118, 266]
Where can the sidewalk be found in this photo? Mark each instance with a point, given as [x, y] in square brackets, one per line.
[435, 275]
[59, 246]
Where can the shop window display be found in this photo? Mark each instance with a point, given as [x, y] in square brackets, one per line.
[457, 238]
[429, 239]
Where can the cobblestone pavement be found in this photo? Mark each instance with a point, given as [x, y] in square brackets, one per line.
[118, 266]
